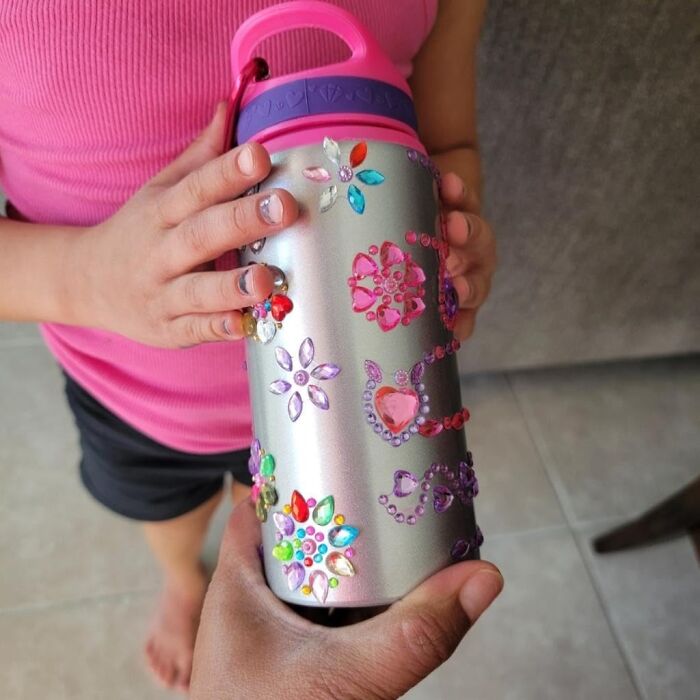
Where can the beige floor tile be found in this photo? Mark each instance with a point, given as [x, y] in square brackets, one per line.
[90, 651]
[515, 493]
[653, 598]
[56, 543]
[545, 638]
[615, 438]
[13, 334]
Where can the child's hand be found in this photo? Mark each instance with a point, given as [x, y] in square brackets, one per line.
[143, 272]
[472, 258]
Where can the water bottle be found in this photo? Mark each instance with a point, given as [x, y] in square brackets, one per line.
[361, 475]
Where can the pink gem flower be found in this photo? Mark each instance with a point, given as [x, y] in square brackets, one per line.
[393, 279]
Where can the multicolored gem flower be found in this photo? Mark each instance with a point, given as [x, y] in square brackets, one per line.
[325, 545]
[301, 377]
[262, 468]
[317, 173]
[262, 321]
[397, 279]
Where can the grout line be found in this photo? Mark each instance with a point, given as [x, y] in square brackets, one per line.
[574, 526]
[75, 602]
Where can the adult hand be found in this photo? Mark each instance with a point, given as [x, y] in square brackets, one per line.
[250, 644]
[472, 258]
[142, 272]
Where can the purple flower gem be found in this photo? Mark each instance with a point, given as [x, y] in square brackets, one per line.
[294, 407]
[318, 397]
[326, 371]
[306, 352]
[374, 371]
[460, 549]
[442, 498]
[284, 359]
[417, 372]
[295, 575]
[280, 386]
[405, 483]
[283, 523]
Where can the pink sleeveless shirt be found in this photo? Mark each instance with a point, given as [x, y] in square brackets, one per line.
[95, 98]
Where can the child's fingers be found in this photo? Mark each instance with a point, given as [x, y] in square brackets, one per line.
[455, 195]
[210, 233]
[473, 239]
[472, 290]
[211, 292]
[466, 321]
[194, 329]
[216, 181]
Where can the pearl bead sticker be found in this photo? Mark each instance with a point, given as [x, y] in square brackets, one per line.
[345, 173]
[321, 550]
[445, 485]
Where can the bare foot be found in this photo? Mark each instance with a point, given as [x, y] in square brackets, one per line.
[170, 640]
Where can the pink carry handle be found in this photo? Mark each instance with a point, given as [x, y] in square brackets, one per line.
[368, 59]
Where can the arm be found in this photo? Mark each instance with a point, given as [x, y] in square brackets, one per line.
[36, 277]
[444, 89]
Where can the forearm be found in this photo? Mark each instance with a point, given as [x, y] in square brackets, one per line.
[38, 280]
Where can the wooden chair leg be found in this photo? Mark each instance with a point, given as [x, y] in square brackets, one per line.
[677, 514]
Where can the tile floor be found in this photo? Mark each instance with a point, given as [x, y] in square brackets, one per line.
[562, 455]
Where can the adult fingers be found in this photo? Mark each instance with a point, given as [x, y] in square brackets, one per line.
[209, 292]
[400, 647]
[218, 229]
[454, 194]
[212, 182]
[206, 146]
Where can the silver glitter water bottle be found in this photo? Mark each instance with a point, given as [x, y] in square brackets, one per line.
[362, 478]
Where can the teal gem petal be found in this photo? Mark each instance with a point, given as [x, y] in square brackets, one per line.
[343, 535]
[356, 199]
[370, 177]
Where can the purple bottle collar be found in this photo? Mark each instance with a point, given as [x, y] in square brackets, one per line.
[327, 95]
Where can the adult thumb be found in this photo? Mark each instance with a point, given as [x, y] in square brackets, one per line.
[207, 146]
[400, 647]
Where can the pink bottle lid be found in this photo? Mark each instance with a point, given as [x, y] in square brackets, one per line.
[363, 96]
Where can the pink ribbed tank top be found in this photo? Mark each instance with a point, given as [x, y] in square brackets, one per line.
[95, 98]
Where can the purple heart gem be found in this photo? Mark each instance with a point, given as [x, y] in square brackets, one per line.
[405, 483]
[442, 498]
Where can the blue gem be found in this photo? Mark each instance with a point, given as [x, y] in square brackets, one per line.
[356, 199]
[370, 177]
[268, 305]
[301, 532]
[318, 558]
[343, 535]
[299, 554]
[322, 548]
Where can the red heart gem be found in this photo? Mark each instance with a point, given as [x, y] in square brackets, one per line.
[280, 306]
[396, 407]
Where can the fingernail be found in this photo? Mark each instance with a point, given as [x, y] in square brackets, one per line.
[479, 592]
[243, 281]
[271, 209]
[227, 327]
[245, 161]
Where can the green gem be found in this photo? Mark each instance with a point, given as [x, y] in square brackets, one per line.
[261, 509]
[323, 512]
[297, 544]
[269, 494]
[267, 465]
[333, 583]
[283, 551]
